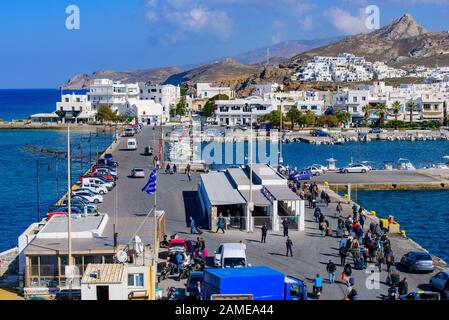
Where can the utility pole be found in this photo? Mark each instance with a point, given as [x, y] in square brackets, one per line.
[281, 131]
[69, 213]
[250, 204]
[37, 192]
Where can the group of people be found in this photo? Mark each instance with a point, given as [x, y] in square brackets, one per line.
[172, 169]
[310, 192]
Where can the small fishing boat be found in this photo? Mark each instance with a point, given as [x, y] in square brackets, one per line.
[405, 164]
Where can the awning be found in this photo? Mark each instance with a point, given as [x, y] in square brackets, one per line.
[259, 198]
[219, 190]
[282, 193]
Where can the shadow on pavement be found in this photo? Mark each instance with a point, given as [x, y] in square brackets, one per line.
[192, 208]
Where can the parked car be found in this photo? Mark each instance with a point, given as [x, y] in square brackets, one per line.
[63, 208]
[107, 162]
[102, 175]
[55, 213]
[107, 184]
[105, 171]
[89, 195]
[316, 170]
[177, 245]
[301, 175]
[138, 173]
[99, 166]
[230, 255]
[418, 261]
[91, 208]
[376, 130]
[355, 168]
[440, 281]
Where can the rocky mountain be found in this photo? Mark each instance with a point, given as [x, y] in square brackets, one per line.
[402, 42]
[281, 51]
[213, 72]
[82, 81]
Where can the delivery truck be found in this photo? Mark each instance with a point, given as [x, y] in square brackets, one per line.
[262, 283]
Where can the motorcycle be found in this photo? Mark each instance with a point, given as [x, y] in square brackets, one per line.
[184, 273]
[317, 292]
[198, 264]
[164, 243]
[168, 269]
[173, 294]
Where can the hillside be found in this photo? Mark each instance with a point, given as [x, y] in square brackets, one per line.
[400, 43]
[281, 51]
[82, 81]
[213, 72]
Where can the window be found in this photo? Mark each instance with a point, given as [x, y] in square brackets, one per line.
[135, 280]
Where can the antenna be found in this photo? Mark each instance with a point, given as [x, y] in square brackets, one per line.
[268, 57]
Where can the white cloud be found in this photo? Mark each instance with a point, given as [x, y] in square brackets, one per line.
[347, 23]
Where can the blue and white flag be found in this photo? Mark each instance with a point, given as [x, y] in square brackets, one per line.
[150, 187]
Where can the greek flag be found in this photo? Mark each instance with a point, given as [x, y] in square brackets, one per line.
[150, 187]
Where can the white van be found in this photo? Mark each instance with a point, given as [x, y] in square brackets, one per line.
[95, 188]
[230, 255]
[132, 144]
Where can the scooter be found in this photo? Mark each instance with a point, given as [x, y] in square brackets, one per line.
[168, 269]
[173, 294]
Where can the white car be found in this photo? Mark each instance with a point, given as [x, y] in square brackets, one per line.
[88, 195]
[94, 187]
[230, 255]
[106, 171]
[137, 173]
[355, 168]
[317, 170]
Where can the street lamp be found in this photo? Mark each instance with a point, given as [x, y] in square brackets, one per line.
[38, 167]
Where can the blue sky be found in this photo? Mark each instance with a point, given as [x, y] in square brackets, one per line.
[39, 52]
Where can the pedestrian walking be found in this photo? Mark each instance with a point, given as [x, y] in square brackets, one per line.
[285, 226]
[347, 272]
[189, 175]
[338, 210]
[220, 223]
[403, 287]
[193, 229]
[175, 169]
[289, 245]
[343, 253]
[264, 233]
[331, 268]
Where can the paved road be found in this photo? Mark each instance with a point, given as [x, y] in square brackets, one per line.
[177, 196]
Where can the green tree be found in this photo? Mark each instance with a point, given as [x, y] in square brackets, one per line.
[294, 116]
[381, 109]
[209, 108]
[396, 106]
[343, 116]
[366, 113]
[310, 119]
[411, 107]
[181, 107]
[105, 113]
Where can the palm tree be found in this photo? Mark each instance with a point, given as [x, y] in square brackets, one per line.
[396, 106]
[381, 111]
[411, 107]
[366, 113]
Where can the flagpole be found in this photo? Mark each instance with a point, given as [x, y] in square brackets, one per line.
[69, 213]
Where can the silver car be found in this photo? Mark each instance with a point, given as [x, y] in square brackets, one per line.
[418, 261]
[440, 281]
[137, 173]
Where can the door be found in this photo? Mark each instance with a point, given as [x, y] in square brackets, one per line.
[102, 293]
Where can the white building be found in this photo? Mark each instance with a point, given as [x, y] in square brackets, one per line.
[112, 94]
[75, 108]
[206, 91]
[167, 95]
[146, 111]
[234, 112]
[267, 89]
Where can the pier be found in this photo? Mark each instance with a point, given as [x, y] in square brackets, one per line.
[179, 199]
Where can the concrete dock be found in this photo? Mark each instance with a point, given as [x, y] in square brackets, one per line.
[178, 198]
